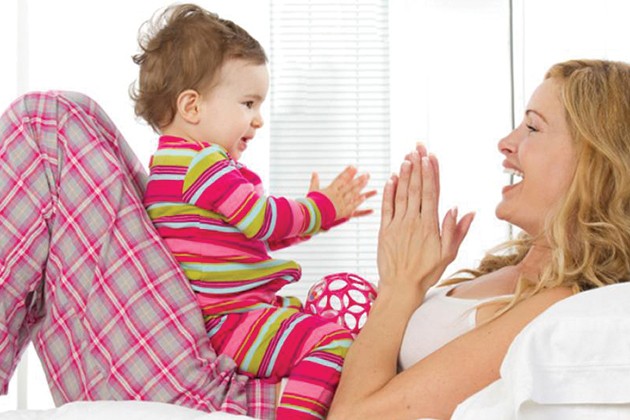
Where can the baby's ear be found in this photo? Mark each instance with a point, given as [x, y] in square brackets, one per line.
[188, 106]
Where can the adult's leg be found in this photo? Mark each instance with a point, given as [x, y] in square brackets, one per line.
[85, 276]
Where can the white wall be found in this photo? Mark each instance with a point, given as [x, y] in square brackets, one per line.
[550, 31]
[450, 87]
[8, 52]
[87, 46]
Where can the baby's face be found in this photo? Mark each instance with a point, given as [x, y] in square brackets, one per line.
[231, 110]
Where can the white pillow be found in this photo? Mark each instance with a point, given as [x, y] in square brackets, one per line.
[574, 357]
[124, 410]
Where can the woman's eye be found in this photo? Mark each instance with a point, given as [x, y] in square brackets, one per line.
[249, 104]
[531, 128]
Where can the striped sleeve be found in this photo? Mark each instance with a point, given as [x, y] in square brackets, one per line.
[214, 182]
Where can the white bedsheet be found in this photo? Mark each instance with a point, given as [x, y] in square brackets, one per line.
[117, 410]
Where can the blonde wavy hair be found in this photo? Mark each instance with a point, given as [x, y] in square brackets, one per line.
[589, 235]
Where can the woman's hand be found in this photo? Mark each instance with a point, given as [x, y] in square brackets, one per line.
[414, 250]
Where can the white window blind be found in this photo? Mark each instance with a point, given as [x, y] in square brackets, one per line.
[329, 109]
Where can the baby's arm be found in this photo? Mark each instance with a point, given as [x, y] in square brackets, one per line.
[346, 194]
[286, 242]
[213, 182]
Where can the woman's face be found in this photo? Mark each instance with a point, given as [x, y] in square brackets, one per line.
[541, 154]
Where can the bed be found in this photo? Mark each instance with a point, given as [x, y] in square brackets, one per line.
[570, 363]
[108, 410]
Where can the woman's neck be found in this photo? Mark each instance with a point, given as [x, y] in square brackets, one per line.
[535, 261]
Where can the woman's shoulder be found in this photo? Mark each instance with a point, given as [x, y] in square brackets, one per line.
[522, 312]
[530, 307]
[546, 297]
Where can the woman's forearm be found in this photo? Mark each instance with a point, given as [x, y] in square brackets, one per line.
[372, 360]
[413, 251]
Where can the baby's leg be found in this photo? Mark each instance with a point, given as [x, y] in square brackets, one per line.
[282, 342]
[313, 380]
[289, 302]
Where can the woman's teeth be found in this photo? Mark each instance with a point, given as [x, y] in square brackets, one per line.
[514, 172]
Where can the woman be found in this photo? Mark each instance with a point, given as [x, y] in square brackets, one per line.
[573, 205]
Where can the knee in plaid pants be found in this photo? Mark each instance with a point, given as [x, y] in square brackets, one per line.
[84, 276]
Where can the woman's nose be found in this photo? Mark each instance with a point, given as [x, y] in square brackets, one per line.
[509, 144]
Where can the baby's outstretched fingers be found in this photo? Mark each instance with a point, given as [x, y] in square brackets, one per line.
[362, 213]
[346, 192]
[314, 185]
[357, 185]
[345, 176]
[369, 194]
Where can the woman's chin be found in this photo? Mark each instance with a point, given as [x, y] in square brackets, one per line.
[500, 211]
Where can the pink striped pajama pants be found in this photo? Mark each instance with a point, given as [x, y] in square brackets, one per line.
[283, 342]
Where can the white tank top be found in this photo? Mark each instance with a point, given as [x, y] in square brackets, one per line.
[439, 320]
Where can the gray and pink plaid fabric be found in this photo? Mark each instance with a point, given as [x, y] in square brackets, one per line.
[84, 275]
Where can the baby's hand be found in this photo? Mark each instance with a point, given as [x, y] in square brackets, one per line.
[346, 192]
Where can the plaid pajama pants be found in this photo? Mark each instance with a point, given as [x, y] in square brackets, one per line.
[84, 276]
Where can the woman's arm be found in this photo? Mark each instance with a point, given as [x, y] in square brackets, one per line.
[413, 253]
[437, 384]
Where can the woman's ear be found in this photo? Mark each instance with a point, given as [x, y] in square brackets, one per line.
[188, 106]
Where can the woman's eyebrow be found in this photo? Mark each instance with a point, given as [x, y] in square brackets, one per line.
[533, 111]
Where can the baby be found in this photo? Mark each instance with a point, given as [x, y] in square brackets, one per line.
[202, 82]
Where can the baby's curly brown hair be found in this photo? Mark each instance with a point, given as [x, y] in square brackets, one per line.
[183, 48]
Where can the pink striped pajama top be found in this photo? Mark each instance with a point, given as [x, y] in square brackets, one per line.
[213, 215]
